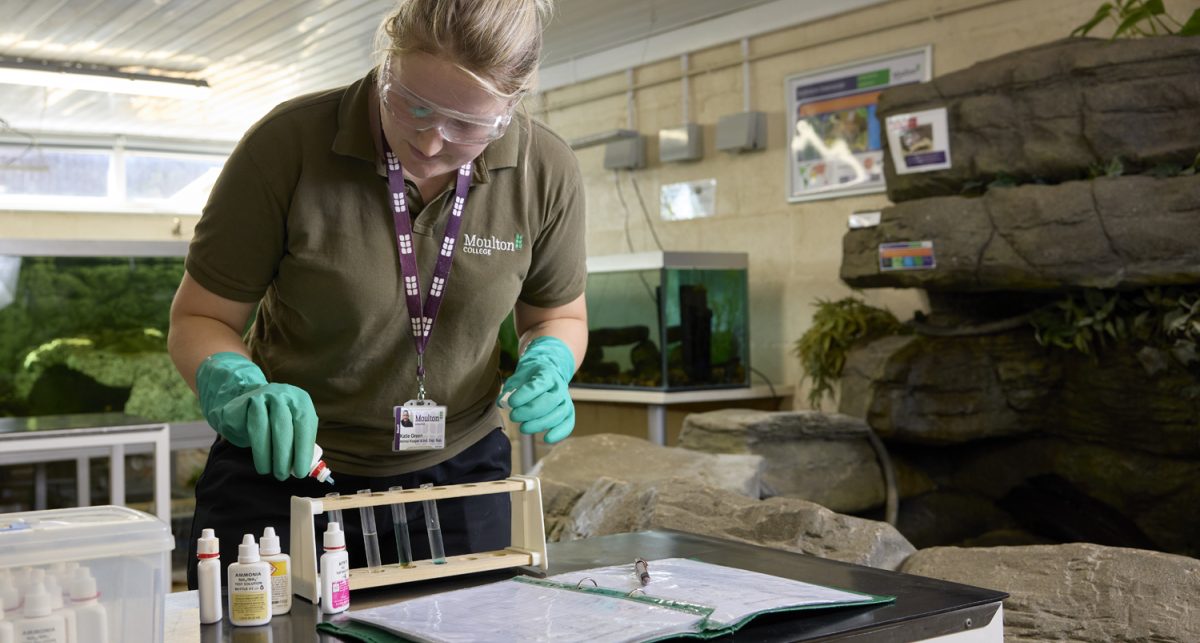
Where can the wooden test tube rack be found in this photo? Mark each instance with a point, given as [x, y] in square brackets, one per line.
[528, 535]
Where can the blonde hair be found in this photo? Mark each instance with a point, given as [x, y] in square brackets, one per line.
[497, 42]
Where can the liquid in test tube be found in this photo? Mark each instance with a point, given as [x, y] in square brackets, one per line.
[370, 535]
[400, 529]
[434, 526]
[334, 515]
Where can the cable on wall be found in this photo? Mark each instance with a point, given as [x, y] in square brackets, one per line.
[645, 212]
[685, 85]
[630, 103]
[745, 74]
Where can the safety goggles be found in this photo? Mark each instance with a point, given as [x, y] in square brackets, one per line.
[411, 111]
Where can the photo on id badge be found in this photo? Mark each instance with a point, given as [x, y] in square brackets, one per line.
[420, 425]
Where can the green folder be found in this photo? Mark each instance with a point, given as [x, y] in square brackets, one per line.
[683, 598]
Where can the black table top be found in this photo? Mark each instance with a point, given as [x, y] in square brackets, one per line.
[924, 607]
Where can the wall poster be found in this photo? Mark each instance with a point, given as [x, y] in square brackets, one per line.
[836, 143]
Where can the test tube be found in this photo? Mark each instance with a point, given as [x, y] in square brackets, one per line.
[370, 535]
[400, 529]
[334, 515]
[434, 526]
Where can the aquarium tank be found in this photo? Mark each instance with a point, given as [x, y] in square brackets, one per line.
[667, 321]
[83, 327]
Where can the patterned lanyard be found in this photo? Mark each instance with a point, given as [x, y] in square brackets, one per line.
[422, 320]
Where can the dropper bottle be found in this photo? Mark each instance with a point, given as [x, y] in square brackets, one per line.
[208, 575]
[318, 469]
[39, 622]
[91, 617]
[249, 586]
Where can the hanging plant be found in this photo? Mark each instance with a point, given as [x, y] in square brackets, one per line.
[1140, 18]
[837, 327]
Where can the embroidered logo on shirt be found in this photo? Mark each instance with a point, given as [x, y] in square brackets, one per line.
[477, 245]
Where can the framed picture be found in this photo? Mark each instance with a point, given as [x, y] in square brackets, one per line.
[835, 148]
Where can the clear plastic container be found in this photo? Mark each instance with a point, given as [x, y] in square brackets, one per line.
[126, 551]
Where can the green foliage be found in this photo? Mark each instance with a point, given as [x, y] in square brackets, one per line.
[1168, 170]
[1089, 321]
[1115, 167]
[1083, 321]
[1139, 18]
[837, 327]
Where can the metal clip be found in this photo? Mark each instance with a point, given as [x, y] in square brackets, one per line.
[579, 585]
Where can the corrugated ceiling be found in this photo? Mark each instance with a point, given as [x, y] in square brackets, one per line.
[254, 53]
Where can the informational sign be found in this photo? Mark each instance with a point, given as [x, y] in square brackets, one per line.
[836, 143]
[906, 255]
[859, 220]
[691, 200]
[920, 141]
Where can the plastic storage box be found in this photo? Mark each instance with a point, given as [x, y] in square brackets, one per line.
[667, 321]
[126, 551]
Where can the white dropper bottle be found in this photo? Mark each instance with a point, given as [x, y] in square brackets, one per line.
[335, 571]
[91, 619]
[6, 627]
[10, 596]
[55, 590]
[281, 572]
[208, 576]
[249, 586]
[39, 623]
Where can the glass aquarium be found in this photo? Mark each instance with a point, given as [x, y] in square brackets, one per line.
[83, 328]
[667, 321]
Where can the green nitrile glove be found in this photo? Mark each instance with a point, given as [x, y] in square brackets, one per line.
[277, 421]
[537, 390]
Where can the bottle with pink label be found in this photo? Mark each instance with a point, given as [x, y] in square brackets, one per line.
[335, 571]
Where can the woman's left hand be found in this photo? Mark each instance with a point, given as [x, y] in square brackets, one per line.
[538, 392]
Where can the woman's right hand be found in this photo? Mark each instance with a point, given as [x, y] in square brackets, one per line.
[276, 421]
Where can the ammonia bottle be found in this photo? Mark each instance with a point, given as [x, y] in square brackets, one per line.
[249, 586]
[39, 623]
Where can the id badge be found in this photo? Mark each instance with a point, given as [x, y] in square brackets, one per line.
[420, 426]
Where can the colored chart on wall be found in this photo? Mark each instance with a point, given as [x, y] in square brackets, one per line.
[836, 141]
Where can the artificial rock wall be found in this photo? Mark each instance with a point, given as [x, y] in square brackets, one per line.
[1019, 443]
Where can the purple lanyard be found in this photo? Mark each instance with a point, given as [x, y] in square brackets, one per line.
[422, 320]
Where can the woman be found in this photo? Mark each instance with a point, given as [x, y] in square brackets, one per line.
[340, 215]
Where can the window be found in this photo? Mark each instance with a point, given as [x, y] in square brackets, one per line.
[178, 180]
[27, 170]
[114, 179]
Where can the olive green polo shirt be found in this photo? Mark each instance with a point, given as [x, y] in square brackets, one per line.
[300, 221]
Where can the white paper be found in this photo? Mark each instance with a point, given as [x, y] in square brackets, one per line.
[733, 593]
[513, 610]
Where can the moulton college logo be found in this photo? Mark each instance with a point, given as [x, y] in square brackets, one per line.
[477, 245]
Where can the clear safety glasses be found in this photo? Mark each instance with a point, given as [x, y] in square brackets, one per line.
[405, 107]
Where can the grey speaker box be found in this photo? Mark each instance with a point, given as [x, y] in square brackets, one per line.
[625, 154]
[742, 132]
[684, 143]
